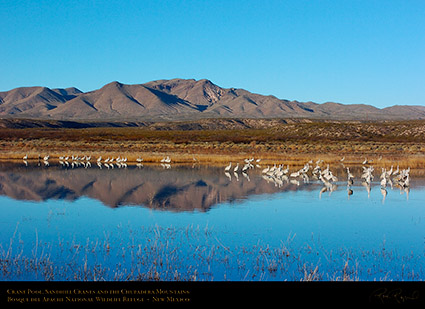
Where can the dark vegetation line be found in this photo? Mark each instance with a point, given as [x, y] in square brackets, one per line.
[179, 132]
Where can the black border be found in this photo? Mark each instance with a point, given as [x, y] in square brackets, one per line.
[215, 293]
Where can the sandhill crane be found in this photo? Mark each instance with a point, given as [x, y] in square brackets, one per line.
[349, 175]
[384, 182]
[295, 174]
[389, 173]
[166, 160]
[396, 171]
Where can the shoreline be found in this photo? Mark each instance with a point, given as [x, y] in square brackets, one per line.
[220, 159]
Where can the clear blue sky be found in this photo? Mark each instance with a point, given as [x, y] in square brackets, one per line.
[348, 51]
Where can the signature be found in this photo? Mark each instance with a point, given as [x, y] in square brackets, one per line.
[390, 295]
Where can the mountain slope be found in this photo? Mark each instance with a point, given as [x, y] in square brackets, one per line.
[179, 99]
[33, 101]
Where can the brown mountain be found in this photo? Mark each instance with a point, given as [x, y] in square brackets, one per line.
[178, 99]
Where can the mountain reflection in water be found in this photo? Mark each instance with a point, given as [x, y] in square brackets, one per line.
[179, 188]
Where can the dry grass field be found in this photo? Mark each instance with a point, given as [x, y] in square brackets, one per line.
[289, 142]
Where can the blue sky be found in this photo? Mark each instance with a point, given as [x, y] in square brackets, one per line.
[347, 51]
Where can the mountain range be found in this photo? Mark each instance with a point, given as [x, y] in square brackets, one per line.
[179, 99]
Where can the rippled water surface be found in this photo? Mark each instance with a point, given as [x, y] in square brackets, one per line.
[198, 223]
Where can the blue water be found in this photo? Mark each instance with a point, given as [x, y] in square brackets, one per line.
[298, 220]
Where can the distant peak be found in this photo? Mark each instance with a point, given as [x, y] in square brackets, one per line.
[114, 83]
[206, 81]
[73, 89]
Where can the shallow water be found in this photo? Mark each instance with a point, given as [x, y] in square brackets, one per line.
[197, 223]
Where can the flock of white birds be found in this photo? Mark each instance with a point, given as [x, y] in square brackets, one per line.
[74, 161]
[279, 174]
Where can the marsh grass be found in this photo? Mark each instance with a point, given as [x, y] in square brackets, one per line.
[197, 254]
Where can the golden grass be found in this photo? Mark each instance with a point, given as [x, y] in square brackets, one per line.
[294, 144]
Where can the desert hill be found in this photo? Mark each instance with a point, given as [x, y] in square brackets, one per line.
[179, 99]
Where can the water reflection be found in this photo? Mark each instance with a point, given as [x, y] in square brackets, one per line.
[184, 188]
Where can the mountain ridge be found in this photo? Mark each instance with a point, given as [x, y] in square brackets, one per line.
[180, 99]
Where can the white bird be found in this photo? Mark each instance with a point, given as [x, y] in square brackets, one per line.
[25, 157]
[396, 171]
[99, 159]
[384, 182]
[295, 174]
[365, 161]
[236, 168]
[139, 159]
[46, 158]
[389, 173]
[349, 175]
[227, 168]
[166, 160]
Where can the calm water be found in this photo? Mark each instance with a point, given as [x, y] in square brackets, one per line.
[197, 223]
